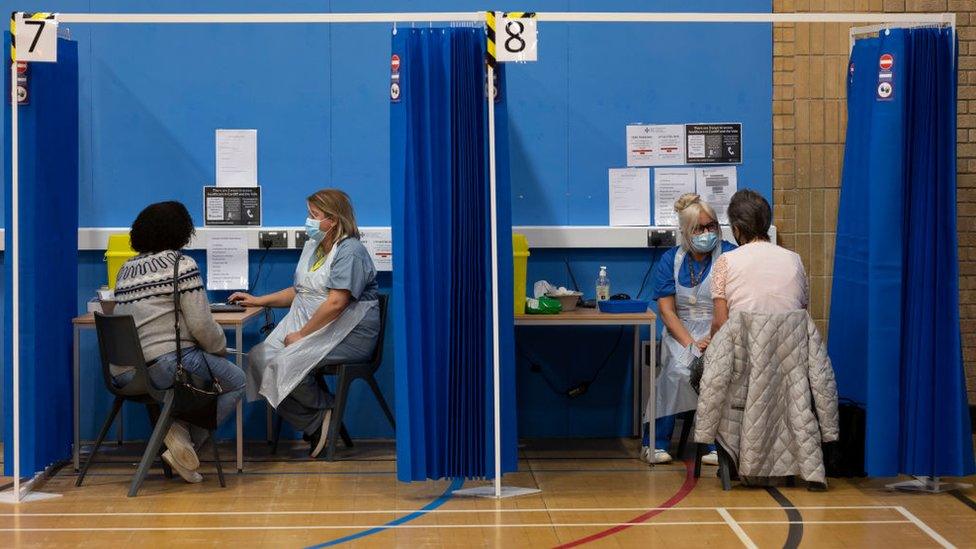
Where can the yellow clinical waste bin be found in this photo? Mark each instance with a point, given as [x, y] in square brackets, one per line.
[520, 252]
[119, 251]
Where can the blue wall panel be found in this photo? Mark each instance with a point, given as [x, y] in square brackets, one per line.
[151, 97]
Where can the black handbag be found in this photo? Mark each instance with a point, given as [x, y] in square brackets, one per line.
[194, 398]
[697, 370]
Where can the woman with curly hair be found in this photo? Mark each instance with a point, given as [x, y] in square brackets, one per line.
[144, 289]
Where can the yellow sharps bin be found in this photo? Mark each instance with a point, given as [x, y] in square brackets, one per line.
[119, 251]
[520, 252]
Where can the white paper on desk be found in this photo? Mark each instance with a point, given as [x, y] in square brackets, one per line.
[237, 158]
[227, 260]
[379, 243]
[669, 184]
[716, 186]
[630, 197]
[655, 145]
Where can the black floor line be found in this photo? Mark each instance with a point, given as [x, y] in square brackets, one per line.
[963, 498]
[795, 535]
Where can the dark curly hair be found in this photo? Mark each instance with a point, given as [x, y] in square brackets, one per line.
[162, 226]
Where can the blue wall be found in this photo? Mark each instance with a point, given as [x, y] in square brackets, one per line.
[152, 96]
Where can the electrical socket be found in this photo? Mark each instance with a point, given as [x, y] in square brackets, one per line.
[301, 237]
[272, 239]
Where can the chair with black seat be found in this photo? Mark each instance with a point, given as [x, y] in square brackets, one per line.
[118, 344]
[346, 374]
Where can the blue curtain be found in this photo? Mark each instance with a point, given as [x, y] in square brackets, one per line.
[442, 259]
[894, 319]
[48, 265]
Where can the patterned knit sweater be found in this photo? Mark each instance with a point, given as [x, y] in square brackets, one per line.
[144, 289]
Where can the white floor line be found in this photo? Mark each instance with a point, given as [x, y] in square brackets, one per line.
[436, 511]
[743, 537]
[444, 526]
[925, 528]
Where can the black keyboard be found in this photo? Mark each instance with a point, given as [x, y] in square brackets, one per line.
[226, 308]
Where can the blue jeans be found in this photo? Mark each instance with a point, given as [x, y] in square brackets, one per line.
[195, 361]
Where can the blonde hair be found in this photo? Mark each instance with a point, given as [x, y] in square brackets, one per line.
[335, 204]
[689, 206]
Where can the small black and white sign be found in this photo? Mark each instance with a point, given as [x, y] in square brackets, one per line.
[713, 143]
[232, 206]
[37, 37]
[518, 37]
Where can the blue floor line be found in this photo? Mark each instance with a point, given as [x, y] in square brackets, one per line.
[441, 500]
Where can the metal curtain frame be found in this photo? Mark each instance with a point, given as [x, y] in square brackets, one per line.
[420, 17]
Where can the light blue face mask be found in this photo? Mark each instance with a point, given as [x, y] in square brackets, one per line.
[705, 242]
[312, 229]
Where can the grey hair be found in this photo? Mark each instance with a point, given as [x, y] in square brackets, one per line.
[689, 206]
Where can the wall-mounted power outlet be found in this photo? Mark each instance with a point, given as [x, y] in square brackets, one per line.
[661, 238]
[301, 237]
[272, 239]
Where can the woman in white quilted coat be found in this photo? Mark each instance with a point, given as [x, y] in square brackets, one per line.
[768, 395]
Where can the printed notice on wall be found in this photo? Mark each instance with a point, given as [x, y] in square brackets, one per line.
[227, 260]
[669, 184]
[713, 143]
[630, 197]
[655, 145]
[232, 206]
[379, 243]
[237, 158]
[716, 186]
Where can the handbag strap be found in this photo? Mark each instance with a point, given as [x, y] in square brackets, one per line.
[176, 308]
[176, 322]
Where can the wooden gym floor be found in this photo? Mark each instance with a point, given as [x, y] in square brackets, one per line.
[594, 493]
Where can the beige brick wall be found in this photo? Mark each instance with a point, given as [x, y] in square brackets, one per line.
[809, 126]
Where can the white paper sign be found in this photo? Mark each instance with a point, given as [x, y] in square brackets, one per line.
[630, 197]
[379, 242]
[716, 186]
[669, 184]
[237, 158]
[516, 37]
[227, 260]
[37, 37]
[655, 145]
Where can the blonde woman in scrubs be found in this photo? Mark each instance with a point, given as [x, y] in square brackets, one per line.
[333, 319]
[682, 287]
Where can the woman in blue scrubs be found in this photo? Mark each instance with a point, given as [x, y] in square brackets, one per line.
[682, 288]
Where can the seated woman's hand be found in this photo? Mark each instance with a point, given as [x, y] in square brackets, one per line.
[702, 343]
[244, 299]
[292, 338]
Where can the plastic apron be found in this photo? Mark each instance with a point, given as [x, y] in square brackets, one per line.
[273, 370]
[694, 308]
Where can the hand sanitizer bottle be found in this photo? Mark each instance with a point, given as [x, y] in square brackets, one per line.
[603, 285]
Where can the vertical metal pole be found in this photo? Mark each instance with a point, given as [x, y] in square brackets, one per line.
[15, 264]
[496, 362]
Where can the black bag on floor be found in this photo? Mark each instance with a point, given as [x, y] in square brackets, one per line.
[845, 458]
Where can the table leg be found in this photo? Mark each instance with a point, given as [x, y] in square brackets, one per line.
[239, 345]
[652, 383]
[636, 382]
[76, 404]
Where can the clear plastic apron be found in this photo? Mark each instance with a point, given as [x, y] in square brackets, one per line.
[694, 308]
[274, 370]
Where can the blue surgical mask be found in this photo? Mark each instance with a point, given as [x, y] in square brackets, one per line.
[312, 229]
[705, 242]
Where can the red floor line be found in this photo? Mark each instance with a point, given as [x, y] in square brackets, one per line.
[682, 492]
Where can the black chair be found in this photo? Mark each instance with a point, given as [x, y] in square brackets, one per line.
[346, 374]
[118, 344]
